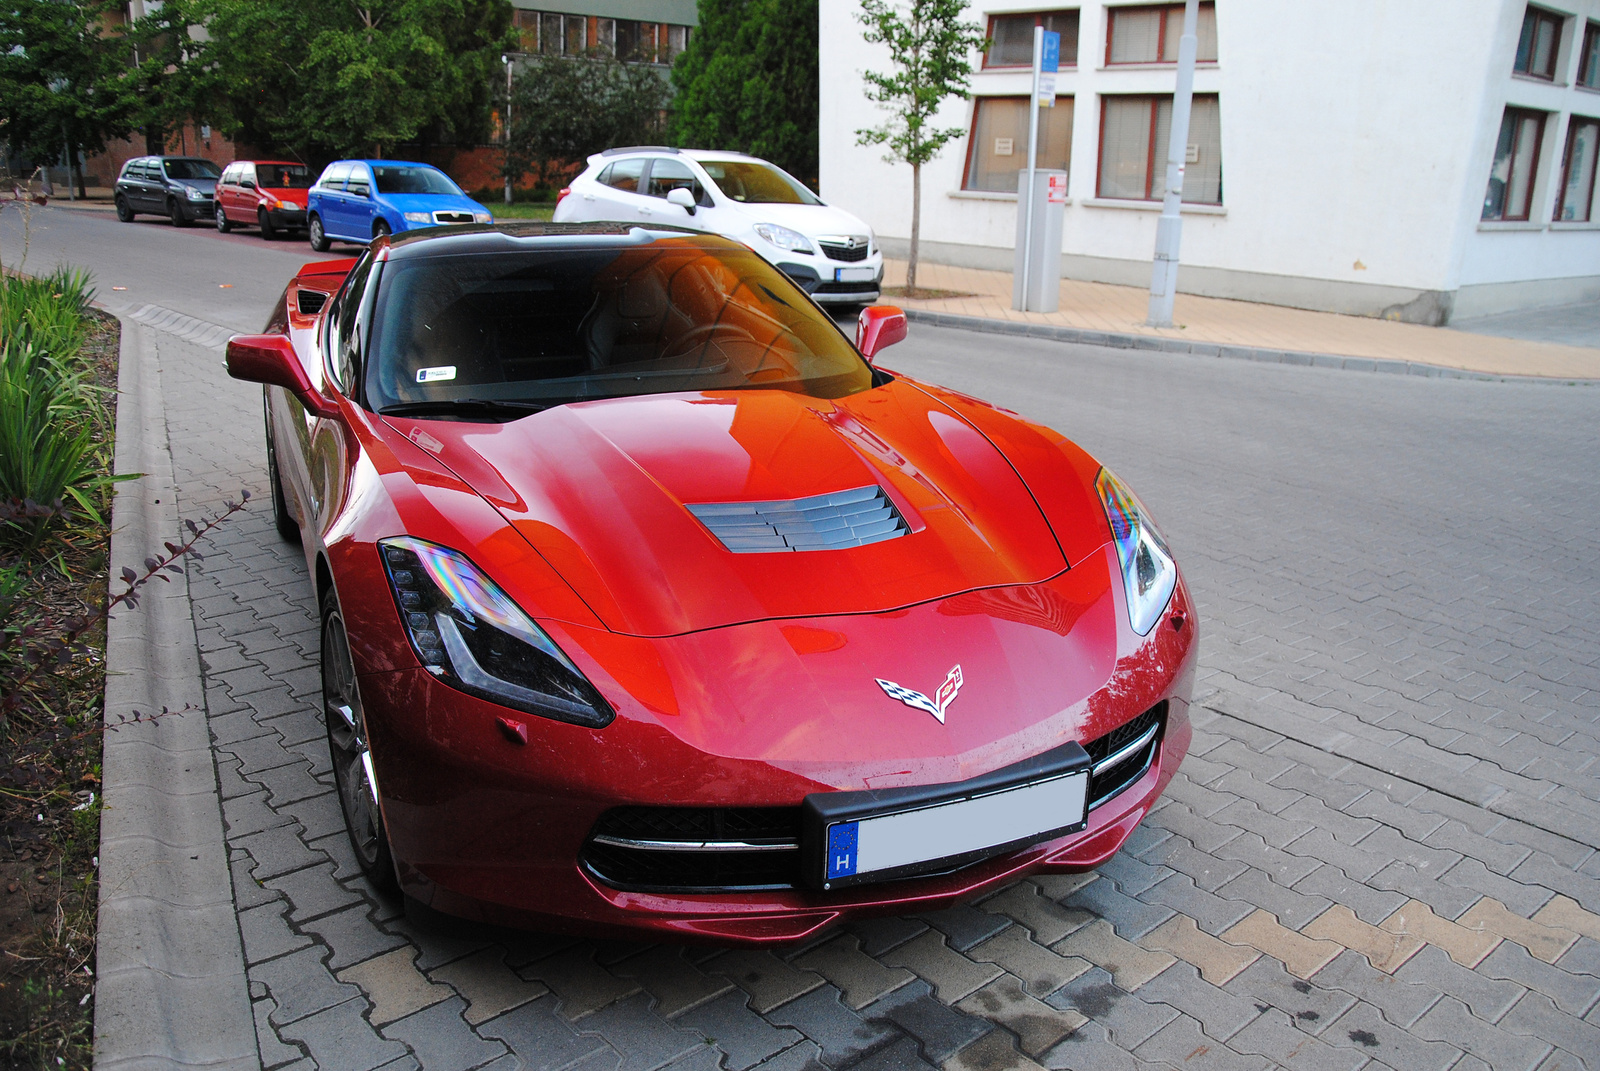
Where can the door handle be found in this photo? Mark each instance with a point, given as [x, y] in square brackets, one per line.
[588, 197]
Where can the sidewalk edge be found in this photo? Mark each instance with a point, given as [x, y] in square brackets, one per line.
[171, 987]
[1157, 344]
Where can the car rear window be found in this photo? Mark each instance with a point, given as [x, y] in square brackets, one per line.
[412, 180]
[191, 169]
[282, 176]
[753, 183]
[553, 326]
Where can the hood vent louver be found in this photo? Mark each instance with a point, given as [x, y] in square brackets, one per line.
[834, 521]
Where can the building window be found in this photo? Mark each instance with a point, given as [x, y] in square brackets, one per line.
[1133, 149]
[1011, 37]
[1516, 162]
[1589, 68]
[1577, 170]
[998, 148]
[1151, 34]
[550, 34]
[1538, 45]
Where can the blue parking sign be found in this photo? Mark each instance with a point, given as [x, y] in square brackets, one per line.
[1051, 61]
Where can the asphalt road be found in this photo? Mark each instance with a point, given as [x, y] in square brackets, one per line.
[1380, 852]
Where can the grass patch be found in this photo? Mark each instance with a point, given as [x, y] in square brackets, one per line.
[923, 293]
[523, 210]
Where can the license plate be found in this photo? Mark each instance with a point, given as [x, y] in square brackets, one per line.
[854, 275]
[874, 836]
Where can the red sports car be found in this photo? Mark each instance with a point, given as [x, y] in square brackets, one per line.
[650, 602]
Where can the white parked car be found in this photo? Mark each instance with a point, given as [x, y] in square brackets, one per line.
[831, 254]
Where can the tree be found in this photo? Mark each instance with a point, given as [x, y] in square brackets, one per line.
[63, 80]
[565, 108]
[929, 47]
[748, 82]
[328, 78]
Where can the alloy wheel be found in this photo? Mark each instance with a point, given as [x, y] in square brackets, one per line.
[352, 758]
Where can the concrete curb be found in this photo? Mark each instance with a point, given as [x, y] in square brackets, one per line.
[1156, 344]
[171, 989]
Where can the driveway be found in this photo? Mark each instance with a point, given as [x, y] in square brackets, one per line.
[1379, 853]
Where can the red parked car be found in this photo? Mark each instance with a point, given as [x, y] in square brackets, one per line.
[650, 602]
[270, 194]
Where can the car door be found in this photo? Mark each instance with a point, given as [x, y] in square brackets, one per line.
[330, 198]
[666, 174]
[144, 187]
[617, 193]
[227, 194]
[360, 207]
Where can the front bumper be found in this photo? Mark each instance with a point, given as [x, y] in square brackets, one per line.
[830, 282]
[290, 218]
[485, 828]
[197, 210]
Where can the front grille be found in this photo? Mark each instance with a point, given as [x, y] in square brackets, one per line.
[696, 849]
[452, 217]
[833, 521]
[1110, 778]
[847, 288]
[848, 254]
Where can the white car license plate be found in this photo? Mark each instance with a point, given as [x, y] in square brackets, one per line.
[950, 830]
[854, 275]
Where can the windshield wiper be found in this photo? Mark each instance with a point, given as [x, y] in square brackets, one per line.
[452, 406]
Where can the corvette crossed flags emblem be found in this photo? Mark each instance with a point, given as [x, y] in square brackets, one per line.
[935, 706]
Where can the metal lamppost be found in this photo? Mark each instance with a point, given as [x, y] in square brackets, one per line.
[1169, 230]
[505, 57]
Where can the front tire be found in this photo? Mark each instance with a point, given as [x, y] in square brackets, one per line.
[268, 231]
[352, 757]
[224, 224]
[316, 235]
[282, 520]
[124, 213]
[380, 229]
[175, 214]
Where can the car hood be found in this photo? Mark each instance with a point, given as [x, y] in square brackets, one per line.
[430, 202]
[602, 490]
[809, 220]
[203, 184]
[291, 194]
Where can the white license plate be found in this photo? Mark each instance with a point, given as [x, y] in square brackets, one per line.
[949, 830]
[854, 275]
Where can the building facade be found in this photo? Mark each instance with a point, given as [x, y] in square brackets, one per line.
[1419, 160]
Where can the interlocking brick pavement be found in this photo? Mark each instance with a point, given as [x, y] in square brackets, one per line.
[1380, 853]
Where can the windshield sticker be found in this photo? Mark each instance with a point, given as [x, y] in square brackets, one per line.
[433, 375]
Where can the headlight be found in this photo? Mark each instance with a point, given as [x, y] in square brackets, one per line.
[418, 217]
[482, 217]
[194, 193]
[1148, 572]
[469, 633]
[784, 238]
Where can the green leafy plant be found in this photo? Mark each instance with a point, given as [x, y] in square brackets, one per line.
[931, 49]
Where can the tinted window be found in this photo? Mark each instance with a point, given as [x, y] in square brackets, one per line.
[412, 180]
[192, 169]
[753, 183]
[282, 176]
[667, 175]
[334, 177]
[624, 174]
[344, 322]
[553, 326]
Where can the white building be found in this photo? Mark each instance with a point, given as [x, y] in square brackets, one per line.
[1416, 159]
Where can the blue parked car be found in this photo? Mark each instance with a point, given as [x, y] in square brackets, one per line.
[359, 200]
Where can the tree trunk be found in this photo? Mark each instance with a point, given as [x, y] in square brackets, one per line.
[916, 229]
[77, 169]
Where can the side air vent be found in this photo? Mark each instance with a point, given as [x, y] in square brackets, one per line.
[310, 302]
[833, 521]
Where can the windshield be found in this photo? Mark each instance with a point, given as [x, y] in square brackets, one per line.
[412, 180]
[283, 176]
[191, 169]
[757, 184]
[563, 325]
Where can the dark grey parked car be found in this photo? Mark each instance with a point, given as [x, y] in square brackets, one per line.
[182, 188]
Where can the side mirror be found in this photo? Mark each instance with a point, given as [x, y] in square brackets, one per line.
[682, 198]
[271, 359]
[879, 327]
[248, 184]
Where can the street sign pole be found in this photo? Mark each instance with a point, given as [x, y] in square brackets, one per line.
[1046, 63]
[1169, 230]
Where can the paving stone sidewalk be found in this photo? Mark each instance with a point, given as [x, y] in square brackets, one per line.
[1379, 853]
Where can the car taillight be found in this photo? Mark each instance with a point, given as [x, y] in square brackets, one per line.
[564, 191]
